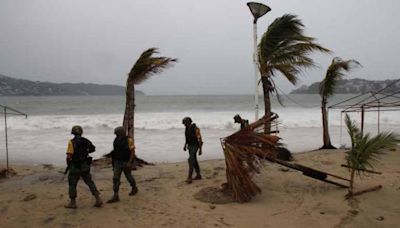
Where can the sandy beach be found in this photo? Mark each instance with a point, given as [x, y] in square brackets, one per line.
[36, 195]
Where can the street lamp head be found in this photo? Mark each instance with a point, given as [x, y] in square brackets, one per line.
[258, 9]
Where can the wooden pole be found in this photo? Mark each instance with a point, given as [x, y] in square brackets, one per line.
[364, 170]
[364, 191]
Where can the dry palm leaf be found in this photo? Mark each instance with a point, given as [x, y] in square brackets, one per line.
[243, 152]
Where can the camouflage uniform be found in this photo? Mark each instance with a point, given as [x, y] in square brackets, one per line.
[79, 166]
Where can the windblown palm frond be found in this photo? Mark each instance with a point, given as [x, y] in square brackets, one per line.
[285, 49]
[352, 129]
[366, 150]
[147, 65]
[335, 73]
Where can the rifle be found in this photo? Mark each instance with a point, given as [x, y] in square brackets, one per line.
[110, 155]
[66, 170]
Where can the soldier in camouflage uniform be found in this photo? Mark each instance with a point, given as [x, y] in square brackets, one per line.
[79, 162]
[243, 122]
[193, 143]
[122, 156]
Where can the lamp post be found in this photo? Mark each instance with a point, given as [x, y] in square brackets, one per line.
[258, 10]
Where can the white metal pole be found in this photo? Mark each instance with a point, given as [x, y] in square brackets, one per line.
[256, 78]
[5, 128]
[341, 121]
[379, 117]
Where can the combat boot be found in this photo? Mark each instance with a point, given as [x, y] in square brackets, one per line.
[189, 180]
[190, 174]
[71, 204]
[114, 199]
[99, 202]
[133, 191]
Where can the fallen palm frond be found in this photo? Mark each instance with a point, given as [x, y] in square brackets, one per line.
[243, 151]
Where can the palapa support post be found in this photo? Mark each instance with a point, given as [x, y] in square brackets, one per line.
[314, 173]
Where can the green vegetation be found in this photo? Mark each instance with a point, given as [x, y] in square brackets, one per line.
[284, 49]
[365, 150]
[327, 88]
[146, 66]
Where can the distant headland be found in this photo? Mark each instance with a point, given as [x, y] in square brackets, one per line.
[353, 86]
[20, 87]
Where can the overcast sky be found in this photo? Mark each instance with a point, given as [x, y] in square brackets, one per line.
[98, 41]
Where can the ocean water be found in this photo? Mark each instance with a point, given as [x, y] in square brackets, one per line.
[159, 133]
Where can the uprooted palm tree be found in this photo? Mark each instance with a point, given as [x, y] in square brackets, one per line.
[146, 66]
[284, 49]
[365, 150]
[327, 88]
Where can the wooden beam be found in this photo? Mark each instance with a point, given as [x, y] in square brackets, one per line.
[364, 191]
[364, 170]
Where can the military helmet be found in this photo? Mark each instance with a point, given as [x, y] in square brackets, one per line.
[186, 120]
[237, 118]
[76, 130]
[120, 131]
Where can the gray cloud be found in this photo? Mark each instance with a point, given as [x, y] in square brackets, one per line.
[98, 40]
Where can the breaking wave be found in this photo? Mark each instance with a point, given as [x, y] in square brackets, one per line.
[289, 118]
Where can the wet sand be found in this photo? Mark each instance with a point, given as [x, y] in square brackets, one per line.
[36, 195]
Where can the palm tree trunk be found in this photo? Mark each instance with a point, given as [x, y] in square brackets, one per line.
[267, 104]
[131, 131]
[326, 137]
[128, 121]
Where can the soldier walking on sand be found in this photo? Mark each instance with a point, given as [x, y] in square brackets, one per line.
[122, 159]
[79, 162]
[193, 143]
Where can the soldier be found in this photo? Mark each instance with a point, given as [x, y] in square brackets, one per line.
[122, 159]
[243, 122]
[79, 162]
[193, 143]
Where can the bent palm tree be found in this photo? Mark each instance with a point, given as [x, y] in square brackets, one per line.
[327, 87]
[365, 150]
[284, 49]
[146, 66]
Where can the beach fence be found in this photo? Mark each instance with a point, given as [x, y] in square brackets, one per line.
[9, 111]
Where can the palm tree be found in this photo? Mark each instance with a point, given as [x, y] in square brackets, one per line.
[146, 66]
[284, 49]
[365, 150]
[327, 87]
